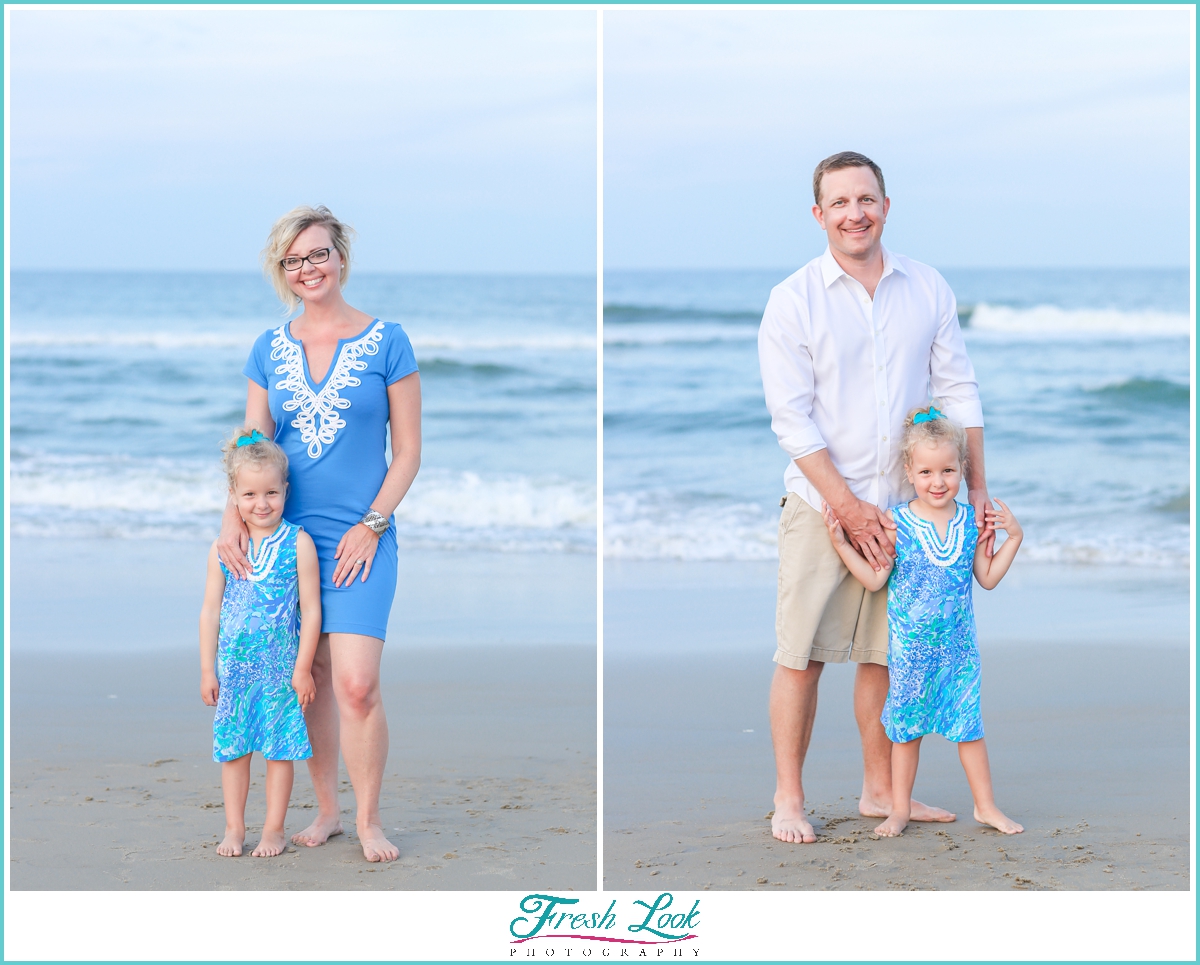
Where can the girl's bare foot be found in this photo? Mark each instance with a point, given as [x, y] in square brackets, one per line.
[231, 847]
[893, 827]
[789, 824]
[317, 833]
[271, 844]
[375, 846]
[995, 818]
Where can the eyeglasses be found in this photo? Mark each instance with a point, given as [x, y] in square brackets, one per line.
[318, 257]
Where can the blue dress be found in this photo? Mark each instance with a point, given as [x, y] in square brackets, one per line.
[933, 655]
[334, 433]
[257, 709]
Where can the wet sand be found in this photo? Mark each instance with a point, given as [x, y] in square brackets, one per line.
[490, 782]
[1089, 744]
[491, 778]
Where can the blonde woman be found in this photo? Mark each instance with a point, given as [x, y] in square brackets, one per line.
[324, 387]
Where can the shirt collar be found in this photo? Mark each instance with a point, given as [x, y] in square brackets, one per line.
[831, 271]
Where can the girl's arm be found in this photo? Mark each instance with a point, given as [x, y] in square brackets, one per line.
[308, 578]
[234, 539]
[210, 628]
[990, 570]
[864, 572]
[404, 420]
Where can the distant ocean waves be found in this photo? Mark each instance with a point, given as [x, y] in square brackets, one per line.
[661, 526]
[144, 498]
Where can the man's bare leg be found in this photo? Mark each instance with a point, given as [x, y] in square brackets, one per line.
[356, 660]
[793, 708]
[870, 693]
[321, 716]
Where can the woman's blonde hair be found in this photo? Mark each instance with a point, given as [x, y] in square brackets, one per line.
[249, 447]
[934, 429]
[286, 230]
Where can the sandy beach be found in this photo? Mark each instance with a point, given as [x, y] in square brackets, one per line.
[1089, 743]
[491, 776]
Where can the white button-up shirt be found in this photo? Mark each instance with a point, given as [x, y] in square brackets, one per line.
[842, 371]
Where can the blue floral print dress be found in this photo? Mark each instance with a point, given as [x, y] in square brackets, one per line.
[933, 654]
[257, 709]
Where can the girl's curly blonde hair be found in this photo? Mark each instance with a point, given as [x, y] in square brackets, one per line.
[249, 447]
[933, 429]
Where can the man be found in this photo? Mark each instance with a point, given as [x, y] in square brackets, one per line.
[850, 344]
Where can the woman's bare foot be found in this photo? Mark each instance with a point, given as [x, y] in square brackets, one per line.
[375, 846]
[893, 827]
[271, 844]
[317, 833]
[789, 824]
[995, 818]
[870, 808]
[231, 846]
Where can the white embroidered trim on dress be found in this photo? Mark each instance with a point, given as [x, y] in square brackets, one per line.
[937, 553]
[326, 402]
[268, 553]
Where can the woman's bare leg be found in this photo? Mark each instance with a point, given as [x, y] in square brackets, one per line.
[904, 775]
[974, 758]
[323, 733]
[364, 733]
[235, 785]
[280, 775]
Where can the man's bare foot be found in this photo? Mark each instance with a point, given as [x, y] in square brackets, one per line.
[231, 847]
[893, 827]
[877, 808]
[270, 844]
[317, 833]
[789, 824]
[995, 818]
[375, 846]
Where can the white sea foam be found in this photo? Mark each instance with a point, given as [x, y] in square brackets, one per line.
[183, 499]
[1050, 320]
[646, 527]
[668, 333]
[176, 341]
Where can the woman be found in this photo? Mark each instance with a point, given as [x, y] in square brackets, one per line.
[324, 386]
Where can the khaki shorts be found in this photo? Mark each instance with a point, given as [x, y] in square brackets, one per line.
[823, 613]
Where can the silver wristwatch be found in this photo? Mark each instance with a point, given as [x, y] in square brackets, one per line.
[375, 521]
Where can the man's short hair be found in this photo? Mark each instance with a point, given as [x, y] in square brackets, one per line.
[845, 159]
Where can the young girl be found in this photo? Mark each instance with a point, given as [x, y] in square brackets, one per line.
[933, 656]
[261, 633]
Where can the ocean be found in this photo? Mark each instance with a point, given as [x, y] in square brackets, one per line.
[1085, 378]
[123, 385]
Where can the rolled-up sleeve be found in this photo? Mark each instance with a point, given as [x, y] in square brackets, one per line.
[951, 375]
[787, 375]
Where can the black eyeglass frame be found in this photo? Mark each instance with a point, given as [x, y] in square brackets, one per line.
[328, 251]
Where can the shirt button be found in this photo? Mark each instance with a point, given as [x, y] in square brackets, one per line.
[885, 438]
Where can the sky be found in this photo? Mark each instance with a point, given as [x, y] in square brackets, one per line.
[1007, 138]
[452, 140]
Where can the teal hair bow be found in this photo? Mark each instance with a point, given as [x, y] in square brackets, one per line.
[251, 439]
[917, 419]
